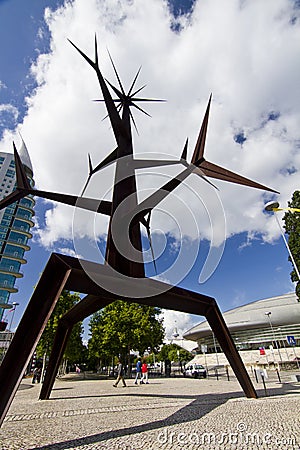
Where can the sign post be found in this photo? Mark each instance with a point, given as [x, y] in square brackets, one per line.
[292, 342]
[204, 351]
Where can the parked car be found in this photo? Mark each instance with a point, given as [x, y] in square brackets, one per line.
[195, 371]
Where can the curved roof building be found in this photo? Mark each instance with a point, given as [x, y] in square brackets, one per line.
[258, 324]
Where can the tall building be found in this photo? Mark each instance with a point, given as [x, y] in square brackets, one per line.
[15, 224]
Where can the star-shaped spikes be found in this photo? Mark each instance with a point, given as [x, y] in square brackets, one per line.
[127, 100]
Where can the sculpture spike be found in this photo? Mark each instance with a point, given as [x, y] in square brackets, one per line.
[184, 151]
[133, 83]
[116, 73]
[199, 148]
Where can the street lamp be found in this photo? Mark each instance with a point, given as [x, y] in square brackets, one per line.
[3, 320]
[7, 337]
[215, 348]
[14, 304]
[282, 339]
[274, 207]
[272, 329]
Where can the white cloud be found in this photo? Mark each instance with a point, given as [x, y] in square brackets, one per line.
[247, 56]
[7, 109]
[176, 322]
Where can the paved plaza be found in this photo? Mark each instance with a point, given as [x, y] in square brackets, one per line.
[168, 413]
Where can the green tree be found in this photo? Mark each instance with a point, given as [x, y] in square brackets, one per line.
[75, 349]
[292, 228]
[124, 326]
[173, 352]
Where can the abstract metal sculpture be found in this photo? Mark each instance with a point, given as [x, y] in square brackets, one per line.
[124, 265]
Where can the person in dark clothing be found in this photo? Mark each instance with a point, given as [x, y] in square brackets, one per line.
[37, 375]
[138, 371]
[120, 374]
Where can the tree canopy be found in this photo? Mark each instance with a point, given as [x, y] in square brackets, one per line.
[123, 326]
[292, 228]
[75, 348]
[174, 352]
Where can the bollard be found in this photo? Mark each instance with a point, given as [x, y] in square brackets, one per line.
[278, 374]
[263, 380]
[227, 373]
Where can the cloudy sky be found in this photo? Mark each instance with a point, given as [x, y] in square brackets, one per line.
[246, 55]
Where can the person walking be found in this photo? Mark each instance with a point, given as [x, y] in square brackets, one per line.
[138, 371]
[144, 373]
[120, 374]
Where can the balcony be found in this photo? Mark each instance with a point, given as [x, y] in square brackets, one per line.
[11, 271]
[14, 256]
[18, 243]
[8, 287]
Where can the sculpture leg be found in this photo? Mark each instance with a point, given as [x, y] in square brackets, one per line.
[60, 342]
[220, 330]
[87, 306]
[30, 329]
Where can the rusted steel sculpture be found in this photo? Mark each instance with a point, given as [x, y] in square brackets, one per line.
[124, 265]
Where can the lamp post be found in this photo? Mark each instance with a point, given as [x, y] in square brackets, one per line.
[272, 329]
[4, 306]
[216, 349]
[282, 338]
[7, 338]
[274, 206]
[15, 304]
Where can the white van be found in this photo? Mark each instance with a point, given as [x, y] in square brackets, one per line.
[195, 371]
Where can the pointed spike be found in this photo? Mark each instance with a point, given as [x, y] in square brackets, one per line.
[214, 171]
[138, 99]
[90, 164]
[184, 152]
[146, 222]
[134, 80]
[116, 73]
[139, 90]
[107, 161]
[86, 185]
[133, 121]
[119, 94]
[152, 251]
[96, 51]
[140, 109]
[84, 56]
[199, 148]
[21, 177]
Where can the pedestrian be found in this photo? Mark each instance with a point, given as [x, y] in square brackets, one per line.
[144, 373]
[138, 371]
[37, 375]
[120, 374]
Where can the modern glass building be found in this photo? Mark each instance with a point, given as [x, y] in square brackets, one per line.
[260, 324]
[15, 224]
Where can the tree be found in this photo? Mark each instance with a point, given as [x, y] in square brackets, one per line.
[75, 348]
[173, 352]
[123, 326]
[292, 228]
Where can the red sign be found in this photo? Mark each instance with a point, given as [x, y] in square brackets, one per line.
[262, 351]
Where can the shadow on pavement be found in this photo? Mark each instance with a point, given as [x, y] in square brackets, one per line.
[202, 405]
[199, 407]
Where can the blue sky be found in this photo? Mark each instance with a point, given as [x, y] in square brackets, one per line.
[254, 116]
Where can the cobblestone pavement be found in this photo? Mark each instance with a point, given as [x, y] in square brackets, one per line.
[174, 413]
